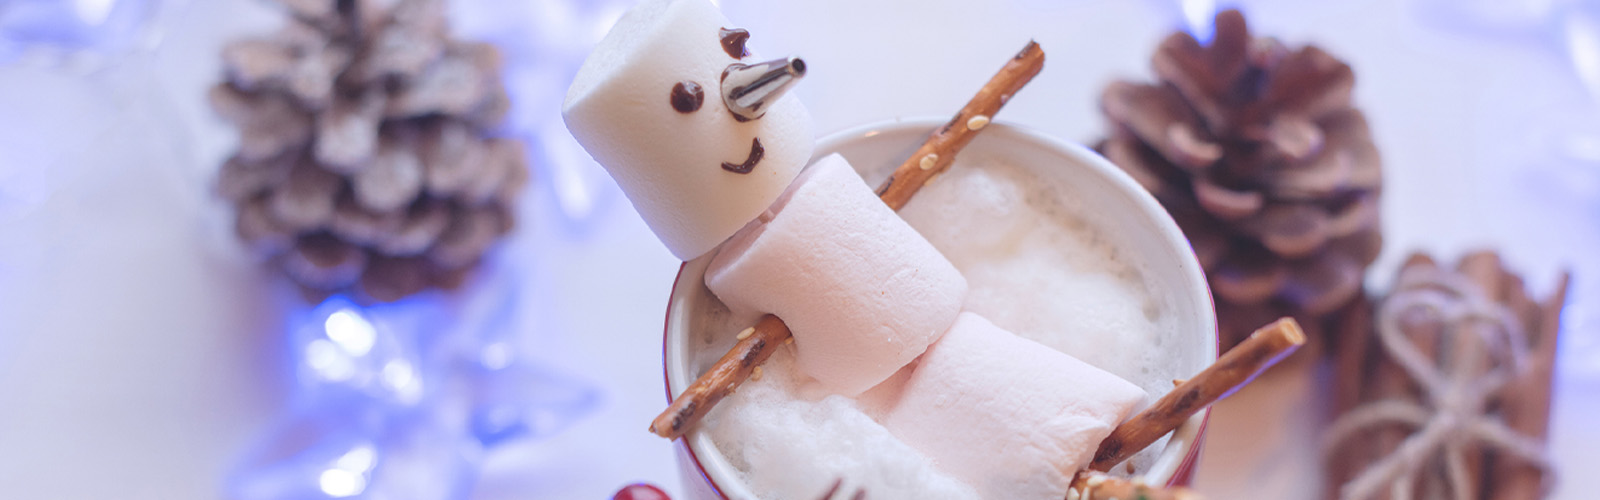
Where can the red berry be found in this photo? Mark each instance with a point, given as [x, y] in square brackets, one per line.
[640, 491]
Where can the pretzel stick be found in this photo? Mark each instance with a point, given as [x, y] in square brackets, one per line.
[687, 409]
[939, 152]
[722, 378]
[1096, 485]
[1231, 372]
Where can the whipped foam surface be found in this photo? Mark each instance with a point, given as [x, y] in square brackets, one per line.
[1038, 264]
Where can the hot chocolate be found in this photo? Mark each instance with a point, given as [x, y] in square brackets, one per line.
[1041, 263]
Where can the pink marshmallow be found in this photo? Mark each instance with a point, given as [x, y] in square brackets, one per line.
[863, 292]
[1009, 416]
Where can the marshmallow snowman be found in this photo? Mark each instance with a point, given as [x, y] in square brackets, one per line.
[705, 143]
[695, 129]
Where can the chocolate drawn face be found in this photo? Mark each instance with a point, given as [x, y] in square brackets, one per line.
[654, 104]
[745, 90]
[733, 41]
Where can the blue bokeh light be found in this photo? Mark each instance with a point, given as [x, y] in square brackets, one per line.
[402, 400]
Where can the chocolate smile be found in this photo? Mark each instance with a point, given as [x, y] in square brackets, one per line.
[756, 151]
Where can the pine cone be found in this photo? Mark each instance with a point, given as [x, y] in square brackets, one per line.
[1258, 155]
[366, 161]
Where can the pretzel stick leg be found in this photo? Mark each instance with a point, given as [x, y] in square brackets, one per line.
[1232, 371]
[1095, 485]
[940, 150]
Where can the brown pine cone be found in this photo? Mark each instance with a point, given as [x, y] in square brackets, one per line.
[1255, 150]
[366, 161]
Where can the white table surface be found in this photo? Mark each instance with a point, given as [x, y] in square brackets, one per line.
[141, 350]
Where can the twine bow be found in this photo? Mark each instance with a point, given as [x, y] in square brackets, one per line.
[1457, 389]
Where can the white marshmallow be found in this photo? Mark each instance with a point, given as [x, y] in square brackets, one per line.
[862, 291]
[1007, 415]
[668, 162]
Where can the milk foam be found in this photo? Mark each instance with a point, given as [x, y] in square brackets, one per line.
[1036, 264]
[801, 445]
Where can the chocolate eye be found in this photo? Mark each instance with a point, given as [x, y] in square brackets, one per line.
[687, 97]
[733, 42]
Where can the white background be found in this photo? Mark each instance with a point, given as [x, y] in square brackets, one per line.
[141, 350]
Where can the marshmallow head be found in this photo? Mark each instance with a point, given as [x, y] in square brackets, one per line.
[648, 105]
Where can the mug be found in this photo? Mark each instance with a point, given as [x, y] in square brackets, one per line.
[1144, 234]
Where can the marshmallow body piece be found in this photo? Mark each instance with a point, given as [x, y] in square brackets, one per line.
[1009, 416]
[670, 162]
[862, 291]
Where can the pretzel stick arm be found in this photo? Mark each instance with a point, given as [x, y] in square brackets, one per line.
[723, 377]
[939, 152]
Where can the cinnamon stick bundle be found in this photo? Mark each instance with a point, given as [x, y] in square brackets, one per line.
[935, 156]
[1369, 375]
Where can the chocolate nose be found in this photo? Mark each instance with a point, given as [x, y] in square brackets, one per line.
[748, 88]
